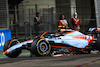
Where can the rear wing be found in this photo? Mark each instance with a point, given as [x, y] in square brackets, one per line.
[94, 29]
[95, 32]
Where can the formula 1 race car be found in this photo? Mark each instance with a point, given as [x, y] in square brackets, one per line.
[66, 39]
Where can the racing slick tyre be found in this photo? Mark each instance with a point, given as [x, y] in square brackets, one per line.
[40, 47]
[9, 44]
[98, 44]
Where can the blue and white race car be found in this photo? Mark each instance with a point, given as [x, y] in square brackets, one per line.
[67, 39]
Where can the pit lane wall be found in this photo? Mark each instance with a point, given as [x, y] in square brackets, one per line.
[5, 34]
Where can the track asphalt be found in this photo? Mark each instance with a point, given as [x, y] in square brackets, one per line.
[24, 60]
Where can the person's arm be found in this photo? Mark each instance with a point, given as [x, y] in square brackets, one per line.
[59, 25]
[35, 20]
[73, 23]
[79, 22]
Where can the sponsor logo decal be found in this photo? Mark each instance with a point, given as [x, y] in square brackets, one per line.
[2, 39]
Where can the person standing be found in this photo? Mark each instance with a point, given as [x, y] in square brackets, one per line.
[76, 22]
[62, 24]
[37, 21]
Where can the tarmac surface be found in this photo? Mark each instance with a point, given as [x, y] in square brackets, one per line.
[24, 60]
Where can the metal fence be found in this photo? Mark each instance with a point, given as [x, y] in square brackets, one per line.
[50, 17]
[3, 14]
[24, 28]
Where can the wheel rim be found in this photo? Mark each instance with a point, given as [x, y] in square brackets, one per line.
[43, 46]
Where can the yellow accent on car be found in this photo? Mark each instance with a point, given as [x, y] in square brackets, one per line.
[61, 26]
[38, 47]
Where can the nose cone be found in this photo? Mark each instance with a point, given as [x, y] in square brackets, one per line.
[5, 52]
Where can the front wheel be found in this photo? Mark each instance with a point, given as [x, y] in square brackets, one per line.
[9, 44]
[40, 47]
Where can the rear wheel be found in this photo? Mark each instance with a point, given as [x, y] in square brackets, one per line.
[97, 44]
[40, 47]
[9, 44]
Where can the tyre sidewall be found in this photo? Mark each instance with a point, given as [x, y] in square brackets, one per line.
[36, 47]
